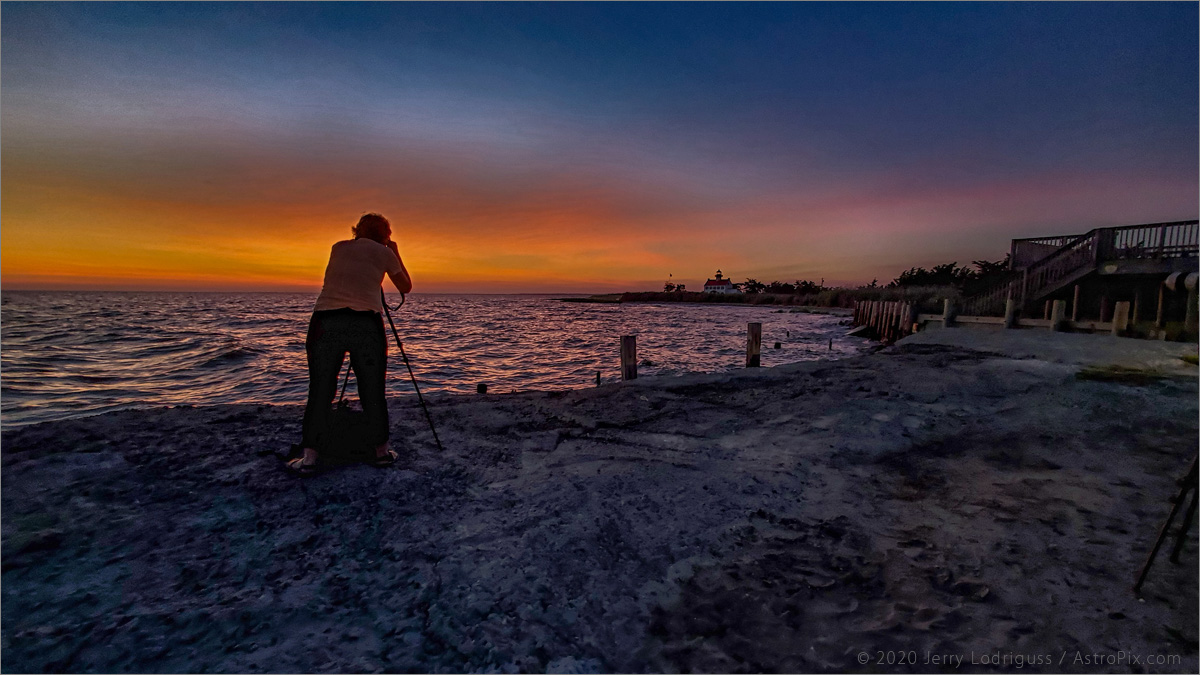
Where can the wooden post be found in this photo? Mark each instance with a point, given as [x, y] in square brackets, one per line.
[1010, 313]
[597, 378]
[1046, 310]
[753, 344]
[1075, 305]
[1136, 312]
[481, 388]
[1120, 322]
[910, 318]
[949, 312]
[1058, 316]
[628, 357]
[1103, 308]
[1159, 316]
[1190, 318]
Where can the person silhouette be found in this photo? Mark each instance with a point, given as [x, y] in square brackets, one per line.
[347, 318]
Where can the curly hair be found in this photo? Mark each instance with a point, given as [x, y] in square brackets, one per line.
[372, 226]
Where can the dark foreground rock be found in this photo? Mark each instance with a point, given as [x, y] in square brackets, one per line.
[921, 501]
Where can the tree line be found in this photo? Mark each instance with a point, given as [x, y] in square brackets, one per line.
[968, 280]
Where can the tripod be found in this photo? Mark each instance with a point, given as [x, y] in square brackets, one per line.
[412, 377]
[1188, 483]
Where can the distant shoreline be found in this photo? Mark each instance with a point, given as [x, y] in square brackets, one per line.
[756, 300]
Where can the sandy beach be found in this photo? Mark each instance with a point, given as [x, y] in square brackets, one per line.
[964, 501]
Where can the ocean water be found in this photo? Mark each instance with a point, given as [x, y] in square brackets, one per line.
[71, 354]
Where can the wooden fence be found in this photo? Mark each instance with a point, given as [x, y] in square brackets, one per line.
[888, 320]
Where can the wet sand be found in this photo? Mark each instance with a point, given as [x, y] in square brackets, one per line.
[926, 500]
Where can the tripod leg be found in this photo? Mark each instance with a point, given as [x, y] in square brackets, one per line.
[1162, 535]
[1184, 531]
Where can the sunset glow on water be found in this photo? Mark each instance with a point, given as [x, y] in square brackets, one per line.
[73, 354]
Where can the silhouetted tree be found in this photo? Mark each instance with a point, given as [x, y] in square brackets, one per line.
[668, 287]
[950, 274]
[809, 287]
[751, 286]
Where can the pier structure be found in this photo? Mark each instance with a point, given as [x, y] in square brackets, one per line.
[1136, 280]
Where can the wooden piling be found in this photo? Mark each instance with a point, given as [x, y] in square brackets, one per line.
[1159, 316]
[1120, 321]
[949, 312]
[1075, 305]
[753, 344]
[1046, 311]
[628, 357]
[1191, 324]
[1103, 308]
[1010, 313]
[481, 388]
[1058, 316]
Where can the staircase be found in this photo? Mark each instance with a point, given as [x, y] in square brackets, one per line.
[1078, 256]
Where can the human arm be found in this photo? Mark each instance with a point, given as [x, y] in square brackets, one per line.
[401, 279]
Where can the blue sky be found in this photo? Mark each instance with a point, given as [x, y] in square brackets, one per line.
[574, 146]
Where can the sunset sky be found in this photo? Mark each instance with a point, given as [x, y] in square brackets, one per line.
[580, 147]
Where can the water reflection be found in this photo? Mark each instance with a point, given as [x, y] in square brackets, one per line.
[68, 354]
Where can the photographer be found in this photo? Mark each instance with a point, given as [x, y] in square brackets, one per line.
[348, 318]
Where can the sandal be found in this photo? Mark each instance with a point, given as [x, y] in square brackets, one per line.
[298, 467]
[385, 461]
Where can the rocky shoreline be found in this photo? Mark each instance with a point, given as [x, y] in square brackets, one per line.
[930, 498]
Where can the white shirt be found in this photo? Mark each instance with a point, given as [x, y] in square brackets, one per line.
[354, 274]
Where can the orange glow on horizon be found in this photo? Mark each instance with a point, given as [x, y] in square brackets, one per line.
[68, 226]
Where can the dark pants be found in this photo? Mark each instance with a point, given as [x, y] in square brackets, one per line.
[331, 334]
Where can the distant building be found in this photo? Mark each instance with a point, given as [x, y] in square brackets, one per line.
[719, 285]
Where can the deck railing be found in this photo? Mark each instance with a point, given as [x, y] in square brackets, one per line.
[1026, 252]
[1179, 239]
[1083, 252]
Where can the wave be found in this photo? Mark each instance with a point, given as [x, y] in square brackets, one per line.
[235, 355]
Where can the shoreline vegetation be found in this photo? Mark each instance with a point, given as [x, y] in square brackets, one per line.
[928, 298]
[923, 288]
[968, 492]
